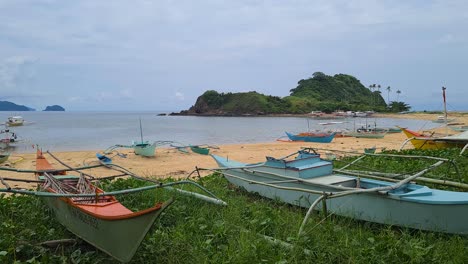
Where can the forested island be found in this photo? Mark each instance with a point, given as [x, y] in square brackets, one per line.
[321, 92]
[9, 106]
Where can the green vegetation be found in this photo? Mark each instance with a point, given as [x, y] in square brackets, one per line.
[318, 93]
[212, 102]
[192, 231]
[341, 91]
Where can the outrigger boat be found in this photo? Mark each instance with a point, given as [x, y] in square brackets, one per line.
[306, 179]
[319, 137]
[15, 121]
[94, 215]
[4, 157]
[424, 141]
[7, 138]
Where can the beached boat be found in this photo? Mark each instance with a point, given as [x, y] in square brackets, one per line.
[7, 138]
[94, 215]
[200, 150]
[306, 179]
[443, 119]
[459, 128]
[4, 157]
[387, 129]
[319, 137]
[101, 221]
[15, 121]
[367, 134]
[103, 159]
[144, 148]
[422, 141]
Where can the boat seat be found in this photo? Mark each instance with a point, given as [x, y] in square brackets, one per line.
[334, 180]
[313, 165]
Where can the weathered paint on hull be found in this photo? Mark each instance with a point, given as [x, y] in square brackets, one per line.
[118, 238]
[372, 207]
[419, 143]
[14, 124]
[4, 158]
[203, 151]
[367, 135]
[318, 139]
[146, 150]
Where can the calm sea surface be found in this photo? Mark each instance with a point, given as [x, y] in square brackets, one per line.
[68, 131]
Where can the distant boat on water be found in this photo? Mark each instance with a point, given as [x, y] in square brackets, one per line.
[15, 121]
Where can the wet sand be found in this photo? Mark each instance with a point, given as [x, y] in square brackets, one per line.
[170, 162]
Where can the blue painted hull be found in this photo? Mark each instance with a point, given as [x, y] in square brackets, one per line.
[327, 138]
[412, 205]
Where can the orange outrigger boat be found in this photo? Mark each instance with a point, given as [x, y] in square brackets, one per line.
[100, 220]
[94, 215]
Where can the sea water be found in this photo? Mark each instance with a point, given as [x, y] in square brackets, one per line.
[71, 131]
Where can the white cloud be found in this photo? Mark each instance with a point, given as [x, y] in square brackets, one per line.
[13, 69]
[180, 96]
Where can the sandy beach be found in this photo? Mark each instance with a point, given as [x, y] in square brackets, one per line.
[170, 162]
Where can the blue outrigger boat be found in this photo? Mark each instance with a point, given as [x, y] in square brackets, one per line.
[306, 179]
[312, 137]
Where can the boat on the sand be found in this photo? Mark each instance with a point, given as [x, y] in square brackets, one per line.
[304, 179]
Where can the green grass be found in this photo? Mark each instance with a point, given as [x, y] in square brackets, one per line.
[193, 231]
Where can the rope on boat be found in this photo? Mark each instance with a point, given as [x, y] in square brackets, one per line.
[325, 195]
[212, 199]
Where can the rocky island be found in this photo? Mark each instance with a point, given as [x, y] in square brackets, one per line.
[54, 108]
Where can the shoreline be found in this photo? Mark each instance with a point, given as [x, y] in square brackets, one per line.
[170, 162]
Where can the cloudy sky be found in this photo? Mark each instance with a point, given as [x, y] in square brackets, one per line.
[161, 55]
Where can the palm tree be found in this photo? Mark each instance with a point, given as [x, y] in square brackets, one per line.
[398, 94]
[388, 94]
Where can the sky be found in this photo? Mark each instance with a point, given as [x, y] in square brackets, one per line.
[161, 55]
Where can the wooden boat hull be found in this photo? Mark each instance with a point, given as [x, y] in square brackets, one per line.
[120, 238]
[419, 142]
[14, 124]
[326, 138]
[4, 157]
[101, 221]
[15, 121]
[459, 128]
[199, 150]
[144, 149]
[367, 134]
[394, 209]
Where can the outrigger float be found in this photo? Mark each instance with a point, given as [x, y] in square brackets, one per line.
[304, 179]
[93, 214]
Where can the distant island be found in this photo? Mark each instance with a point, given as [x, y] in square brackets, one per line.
[54, 108]
[321, 92]
[9, 106]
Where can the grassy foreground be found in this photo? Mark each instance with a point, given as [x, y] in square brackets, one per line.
[193, 231]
